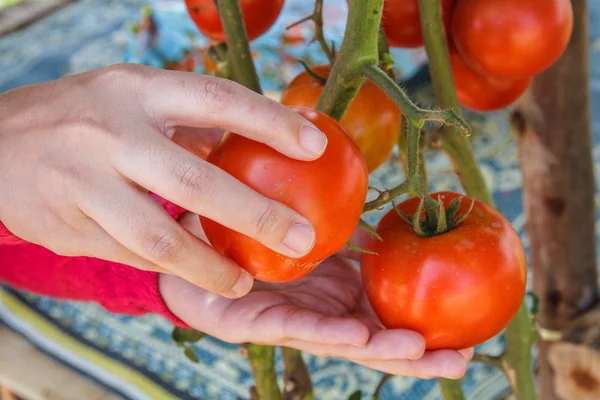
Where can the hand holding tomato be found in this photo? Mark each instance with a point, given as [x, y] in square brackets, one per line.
[325, 313]
[457, 289]
[80, 154]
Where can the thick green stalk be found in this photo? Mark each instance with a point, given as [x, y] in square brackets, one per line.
[454, 143]
[297, 382]
[451, 389]
[518, 336]
[521, 335]
[240, 57]
[359, 48]
[262, 362]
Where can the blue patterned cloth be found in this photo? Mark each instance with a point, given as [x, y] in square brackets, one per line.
[94, 33]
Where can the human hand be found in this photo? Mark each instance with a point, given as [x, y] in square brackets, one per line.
[325, 313]
[79, 155]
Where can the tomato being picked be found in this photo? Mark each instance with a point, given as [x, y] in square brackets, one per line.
[402, 24]
[512, 38]
[458, 289]
[259, 16]
[482, 93]
[372, 119]
[329, 192]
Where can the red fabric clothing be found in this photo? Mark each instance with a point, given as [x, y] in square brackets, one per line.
[117, 287]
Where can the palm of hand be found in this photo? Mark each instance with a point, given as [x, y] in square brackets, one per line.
[325, 313]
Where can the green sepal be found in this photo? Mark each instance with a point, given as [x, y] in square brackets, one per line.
[364, 225]
[460, 219]
[359, 249]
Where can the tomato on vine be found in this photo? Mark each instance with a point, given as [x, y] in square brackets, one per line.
[258, 15]
[458, 289]
[512, 38]
[329, 192]
[401, 21]
[372, 119]
[482, 93]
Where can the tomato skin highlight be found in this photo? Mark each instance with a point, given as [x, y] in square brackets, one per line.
[372, 119]
[402, 24]
[512, 38]
[329, 192]
[258, 15]
[482, 93]
[457, 289]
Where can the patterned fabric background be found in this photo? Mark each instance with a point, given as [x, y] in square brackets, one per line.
[95, 33]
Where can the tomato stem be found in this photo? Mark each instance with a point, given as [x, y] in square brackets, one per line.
[411, 111]
[262, 362]
[451, 389]
[384, 379]
[386, 197]
[239, 54]
[319, 34]
[297, 381]
[358, 49]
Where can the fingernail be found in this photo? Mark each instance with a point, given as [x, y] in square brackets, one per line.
[313, 140]
[300, 238]
[243, 284]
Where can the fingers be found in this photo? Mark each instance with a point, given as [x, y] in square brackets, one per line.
[177, 175]
[438, 364]
[383, 345]
[137, 222]
[199, 101]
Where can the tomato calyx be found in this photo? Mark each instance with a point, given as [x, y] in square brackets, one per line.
[446, 219]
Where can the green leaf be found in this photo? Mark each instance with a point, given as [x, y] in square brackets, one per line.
[191, 354]
[184, 335]
[362, 224]
[356, 395]
[359, 249]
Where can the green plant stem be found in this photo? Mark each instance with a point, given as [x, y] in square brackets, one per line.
[411, 111]
[451, 389]
[384, 379]
[319, 35]
[359, 48]
[385, 197]
[521, 335]
[263, 368]
[240, 57]
[415, 184]
[297, 383]
[492, 361]
[458, 149]
[454, 143]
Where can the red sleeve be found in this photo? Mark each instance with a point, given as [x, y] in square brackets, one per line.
[117, 287]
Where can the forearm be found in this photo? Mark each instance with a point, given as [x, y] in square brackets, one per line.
[117, 287]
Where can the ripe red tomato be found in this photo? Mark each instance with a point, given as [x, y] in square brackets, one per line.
[401, 21]
[457, 289]
[372, 119]
[259, 16]
[482, 93]
[329, 192]
[512, 38]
